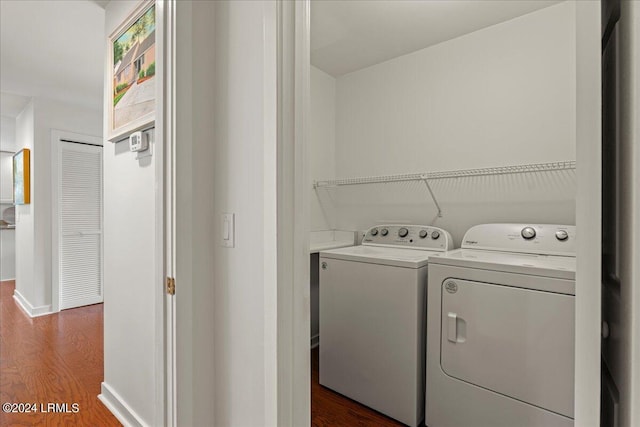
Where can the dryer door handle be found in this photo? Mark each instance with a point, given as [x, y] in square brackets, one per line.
[452, 327]
[456, 328]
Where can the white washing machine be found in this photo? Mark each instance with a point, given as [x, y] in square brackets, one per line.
[500, 329]
[372, 318]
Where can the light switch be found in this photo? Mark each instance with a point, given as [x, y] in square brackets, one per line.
[228, 230]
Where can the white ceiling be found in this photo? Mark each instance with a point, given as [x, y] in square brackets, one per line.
[102, 3]
[11, 104]
[347, 35]
[53, 49]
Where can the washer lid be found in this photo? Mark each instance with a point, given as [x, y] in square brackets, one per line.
[397, 257]
[559, 267]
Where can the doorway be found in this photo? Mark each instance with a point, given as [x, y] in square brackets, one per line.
[369, 116]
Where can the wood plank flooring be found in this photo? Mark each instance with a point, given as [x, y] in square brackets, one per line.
[329, 408]
[51, 359]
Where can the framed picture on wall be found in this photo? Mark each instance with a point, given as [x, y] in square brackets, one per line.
[22, 177]
[132, 71]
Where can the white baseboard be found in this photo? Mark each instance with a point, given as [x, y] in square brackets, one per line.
[119, 407]
[28, 308]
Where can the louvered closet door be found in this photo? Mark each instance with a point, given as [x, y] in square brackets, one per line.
[80, 224]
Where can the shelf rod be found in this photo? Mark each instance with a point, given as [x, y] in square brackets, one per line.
[433, 197]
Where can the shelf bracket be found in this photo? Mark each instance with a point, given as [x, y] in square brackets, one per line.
[433, 197]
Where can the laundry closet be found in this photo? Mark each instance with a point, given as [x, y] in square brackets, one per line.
[439, 115]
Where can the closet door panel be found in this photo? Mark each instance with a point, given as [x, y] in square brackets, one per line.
[80, 224]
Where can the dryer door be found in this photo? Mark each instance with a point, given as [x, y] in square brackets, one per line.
[513, 341]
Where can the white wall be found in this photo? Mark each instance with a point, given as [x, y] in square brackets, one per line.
[502, 95]
[7, 252]
[226, 334]
[130, 371]
[33, 221]
[242, 350]
[6, 178]
[52, 115]
[7, 133]
[7, 236]
[322, 145]
[25, 131]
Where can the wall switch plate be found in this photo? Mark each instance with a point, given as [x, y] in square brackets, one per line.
[228, 230]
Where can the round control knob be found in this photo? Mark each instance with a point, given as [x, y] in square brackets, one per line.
[374, 231]
[403, 232]
[528, 233]
[423, 234]
[562, 235]
[384, 231]
[435, 234]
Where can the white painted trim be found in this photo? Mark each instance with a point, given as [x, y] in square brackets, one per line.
[56, 137]
[182, 161]
[629, 28]
[119, 407]
[164, 170]
[270, 220]
[57, 134]
[30, 310]
[293, 181]
[588, 213]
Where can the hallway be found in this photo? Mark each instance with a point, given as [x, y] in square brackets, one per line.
[51, 359]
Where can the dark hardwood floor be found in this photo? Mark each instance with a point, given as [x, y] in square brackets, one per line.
[329, 408]
[51, 359]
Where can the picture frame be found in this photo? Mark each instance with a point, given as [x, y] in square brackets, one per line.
[132, 73]
[22, 177]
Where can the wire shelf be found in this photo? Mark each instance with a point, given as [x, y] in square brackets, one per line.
[463, 173]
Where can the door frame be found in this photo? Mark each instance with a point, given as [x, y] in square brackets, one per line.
[293, 188]
[57, 137]
[165, 216]
[588, 213]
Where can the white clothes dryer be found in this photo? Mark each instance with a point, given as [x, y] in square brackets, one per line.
[372, 318]
[500, 329]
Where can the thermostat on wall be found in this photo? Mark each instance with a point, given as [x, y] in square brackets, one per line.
[138, 142]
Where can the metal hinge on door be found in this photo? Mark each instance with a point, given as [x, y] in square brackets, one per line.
[171, 286]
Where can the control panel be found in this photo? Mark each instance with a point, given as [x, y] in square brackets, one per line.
[410, 236]
[138, 142]
[544, 239]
